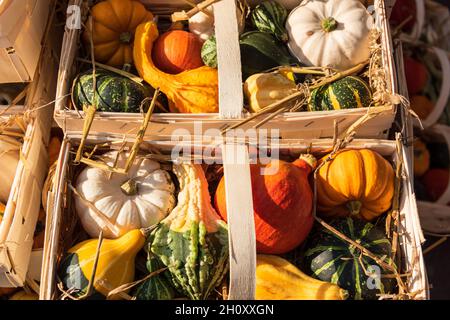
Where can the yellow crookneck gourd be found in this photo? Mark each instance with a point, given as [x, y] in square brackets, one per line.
[115, 266]
[263, 89]
[193, 91]
[277, 279]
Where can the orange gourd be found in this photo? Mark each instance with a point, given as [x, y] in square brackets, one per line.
[193, 91]
[114, 25]
[54, 147]
[282, 204]
[177, 51]
[421, 158]
[358, 183]
[422, 106]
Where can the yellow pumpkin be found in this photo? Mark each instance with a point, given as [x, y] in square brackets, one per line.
[358, 183]
[263, 89]
[192, 91]
[277, 279]
[113, 28]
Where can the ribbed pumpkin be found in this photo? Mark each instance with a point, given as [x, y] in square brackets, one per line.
[115, 264]
[331, 259]
[114, 25]
[115, 93]
[346, 93]
[177, 51]
[357, 183]
[282, 204]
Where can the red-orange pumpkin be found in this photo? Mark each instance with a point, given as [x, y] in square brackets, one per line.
[416, 75]
[282, 204]
[177, 51]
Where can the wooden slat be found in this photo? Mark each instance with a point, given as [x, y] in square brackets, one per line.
[241, 225]
[229, 59]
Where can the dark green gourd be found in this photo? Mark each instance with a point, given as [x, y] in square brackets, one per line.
[347, 93]
[115, 93]
[270, 16]
[157, 287]
[331, 259]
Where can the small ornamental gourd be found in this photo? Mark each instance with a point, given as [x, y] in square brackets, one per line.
[9, 159]
[114, 25]
[115, 267]
[346, 93]
[193, 91]
[277, 279]
[123, 202]
[332, 33]
[263, 89]
[270, 16]
[282, 203]
[192, 241]
[202, 23]
[115, 93]
[331, 259]
[358, 183]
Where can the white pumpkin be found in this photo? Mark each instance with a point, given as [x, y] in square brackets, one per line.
[331, 33]
[288, 4]
[139, 199]
[9, 159]
[202, 23]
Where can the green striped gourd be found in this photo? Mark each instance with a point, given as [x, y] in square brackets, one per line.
[192, 241]
[270, 16]
[156, 287]
[331, 259]
[115, 93]
[209, 52]
[347, 93]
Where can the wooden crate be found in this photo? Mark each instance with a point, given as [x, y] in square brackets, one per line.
[240, 210]
[22, 25]
[17, 228]
[307, 124]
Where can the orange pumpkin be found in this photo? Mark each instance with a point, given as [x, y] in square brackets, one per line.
[421, 158]
[282, 204]
[422, 106]
[358, 183]
[114, 25]
[177, 51]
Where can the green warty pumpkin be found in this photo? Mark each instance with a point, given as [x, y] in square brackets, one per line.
[270, 16]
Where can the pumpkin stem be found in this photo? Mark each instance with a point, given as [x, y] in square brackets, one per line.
[329, 24]
[129, 187]
[125, 37]
[354, 207]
